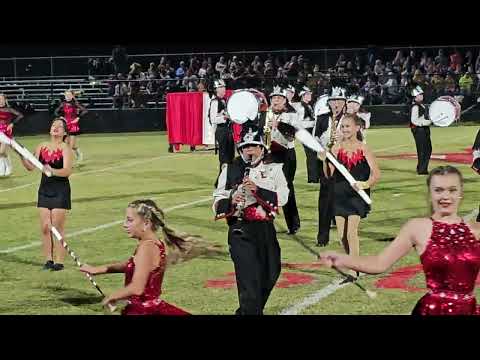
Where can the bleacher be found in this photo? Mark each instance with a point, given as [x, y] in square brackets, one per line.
[41, 93]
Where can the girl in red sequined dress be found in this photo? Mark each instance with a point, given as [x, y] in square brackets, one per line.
[54, 192]
[349, 207]
[449, 250]
[72, 111]
[144, 271]
[8, 118]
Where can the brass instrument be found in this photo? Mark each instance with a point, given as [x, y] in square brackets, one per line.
[267, 129]
[333, 131]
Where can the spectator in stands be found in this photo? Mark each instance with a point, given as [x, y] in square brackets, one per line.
[477, 71]
[468, 60]
[450, 85]
[441, 58]
[135, 78]
[399, 59]
[341, 62]
[423, 60]
[390, 93]
[120, 96]
[202, 72]
[181, 70]
[438, 85]
[379, 68]
[455, 60]
[120, 59]
[465, 83]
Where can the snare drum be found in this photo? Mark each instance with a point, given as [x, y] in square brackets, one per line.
[244, 105]
[444, 111]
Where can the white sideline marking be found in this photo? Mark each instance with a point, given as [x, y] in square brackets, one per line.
[314, 298]
[100, 227]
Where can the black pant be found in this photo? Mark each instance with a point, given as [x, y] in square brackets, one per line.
[226, 145]
[423, 143]
[325, 206]
[292, 218]
[255, 252]
[312, 165]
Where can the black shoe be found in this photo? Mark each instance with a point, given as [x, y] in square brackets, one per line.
[322, 242]
[57, 267]
[293, 231]
[48, 265]
[170, 149]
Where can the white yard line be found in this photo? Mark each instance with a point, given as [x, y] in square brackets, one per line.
[100, 227]
[314, 298]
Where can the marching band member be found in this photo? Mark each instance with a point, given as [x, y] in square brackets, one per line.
[325, 131]
[8, 118]
[219, 119]
[349, 207]
[72, 111]
[354, 106]
[281, 120]
[420, 127]
[54, 199]
[249, 193]
[307, 120]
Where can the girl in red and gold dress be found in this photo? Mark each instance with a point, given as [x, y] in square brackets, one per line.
[448, 247]
[144, 271]
[72, 111]
[8, 118]
[349, 207]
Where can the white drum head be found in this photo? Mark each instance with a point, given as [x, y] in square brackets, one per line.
[321, 106]
[242, 106]
[442, 113]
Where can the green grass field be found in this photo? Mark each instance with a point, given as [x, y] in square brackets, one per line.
[119, 168]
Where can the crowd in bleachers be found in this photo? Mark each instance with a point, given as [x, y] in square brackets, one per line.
[381, 79]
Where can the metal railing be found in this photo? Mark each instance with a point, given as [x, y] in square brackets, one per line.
[65, 66]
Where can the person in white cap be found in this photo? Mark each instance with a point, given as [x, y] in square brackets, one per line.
[223, 130]
[249, 193]
[420, 127]
[354, 106]
[307, 120]
[281, 121]
[326, 131]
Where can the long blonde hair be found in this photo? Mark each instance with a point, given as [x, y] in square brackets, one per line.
[181, 246]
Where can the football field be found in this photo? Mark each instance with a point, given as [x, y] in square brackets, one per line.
[119, 168]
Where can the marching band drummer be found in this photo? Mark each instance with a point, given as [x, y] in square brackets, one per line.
[307, 120]
[420, 127]
[219, 118]
[326, 130]
[249, 192]
[281, 120]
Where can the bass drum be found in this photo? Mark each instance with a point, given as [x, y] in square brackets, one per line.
[321, 106]
[444, 111]
[245, 105]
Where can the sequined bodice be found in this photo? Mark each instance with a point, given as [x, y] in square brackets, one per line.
[451, 260]
[153, 289]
